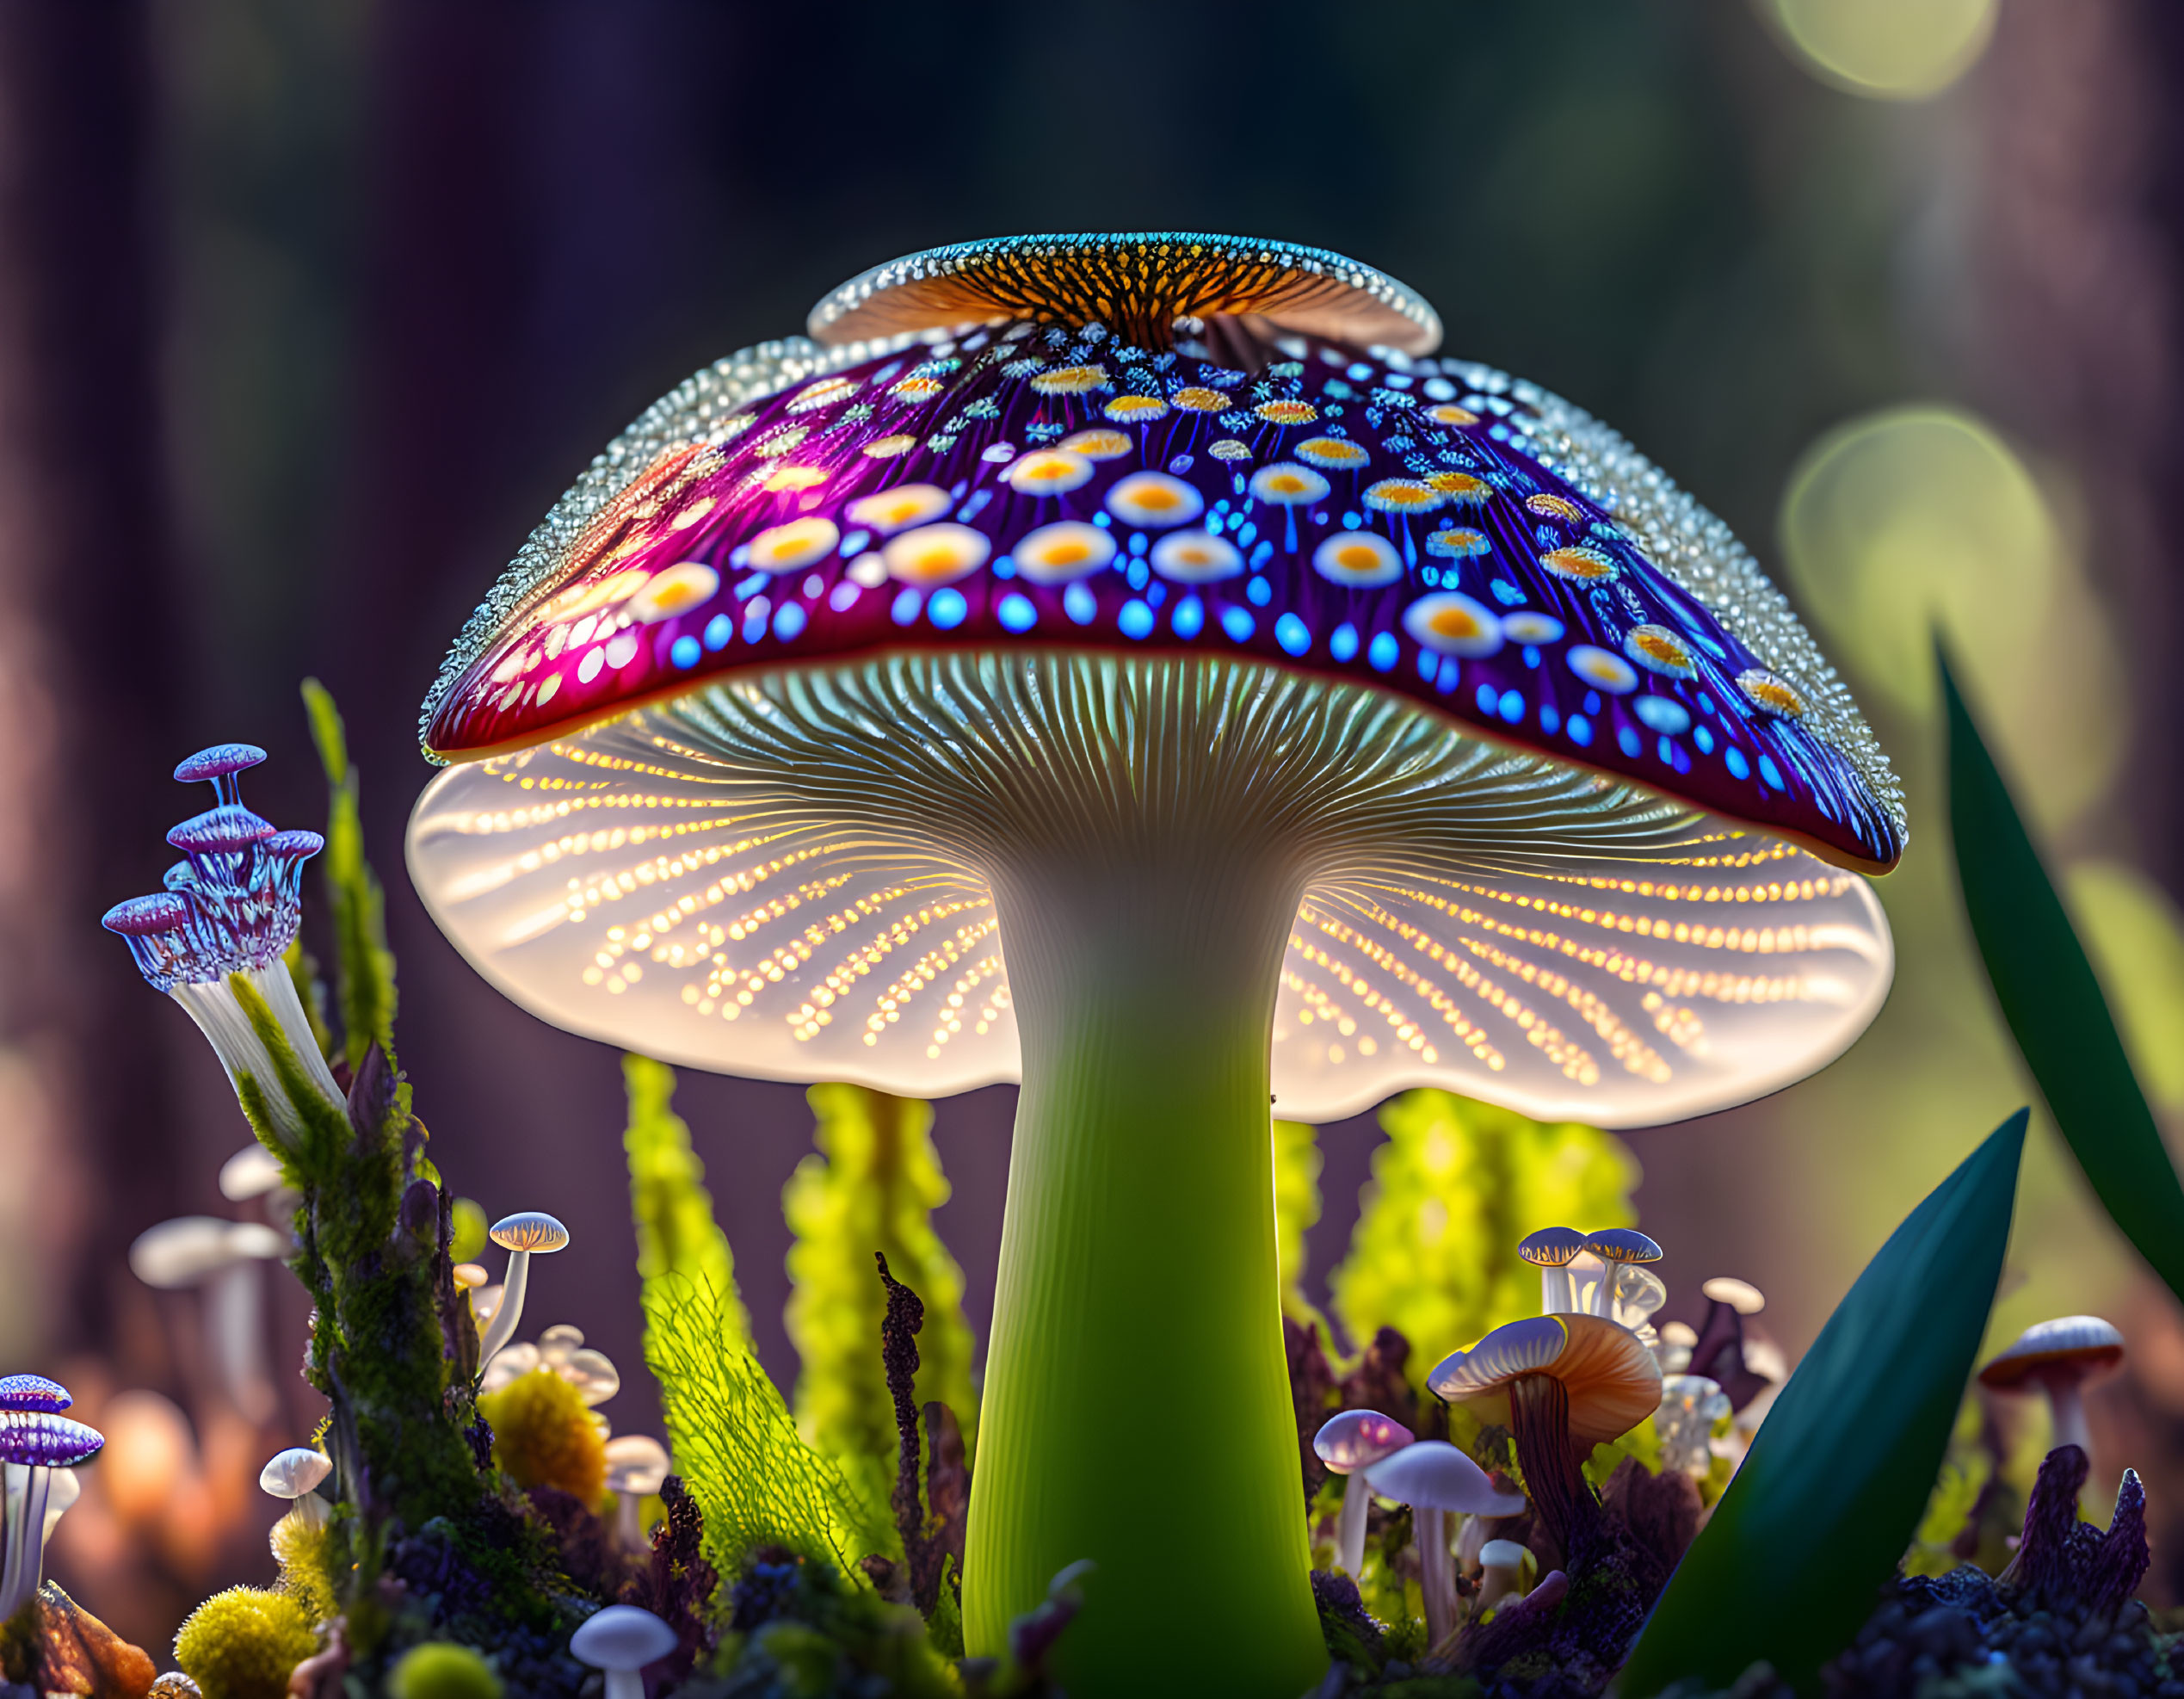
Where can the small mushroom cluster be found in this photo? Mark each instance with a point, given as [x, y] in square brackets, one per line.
[38, 1447]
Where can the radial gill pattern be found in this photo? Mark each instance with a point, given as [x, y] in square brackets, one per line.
[786, 874]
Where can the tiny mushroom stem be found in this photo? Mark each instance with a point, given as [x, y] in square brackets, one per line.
[38, 1440]
[521, 1236]
[621, 1640]
[294, 1475]
[1616, 1247]
[1550, 1251]
[2059, 1358]
[1355, 1440]
[1435, 1479]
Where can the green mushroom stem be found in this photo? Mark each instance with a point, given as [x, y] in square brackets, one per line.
[1554, 1476]
[1140, 1250]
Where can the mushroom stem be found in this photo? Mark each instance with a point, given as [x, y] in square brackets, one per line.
[625, 1684]
[1140, 1249]
[1554, 1478]
[1349, 1525]
[1436, 1580]
[501, 1328]
[627, 1534]
[1556, 1295]
[235, 1332]
[2066, 1406]
[26, 1555]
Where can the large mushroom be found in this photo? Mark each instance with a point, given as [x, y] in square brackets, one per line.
[1562, 1384]
[1129, 665]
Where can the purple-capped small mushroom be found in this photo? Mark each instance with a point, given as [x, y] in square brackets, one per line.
[34, 1392]
[213, 940]
[1550, 1251]
[531, 1233]
[36, 1442]
[1615, 1249]
[1356, 1440]
[1437, 1480]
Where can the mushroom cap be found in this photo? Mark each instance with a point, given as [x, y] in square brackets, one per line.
[622, 1637]
[295, 1472]
[34, 1392]
[532, 1230]
[1635, 1291]
[220, 831]
[1504, 1554]
[188, 1249]
[2068, 1348]
[1431, 1474]
[219, 762]
[44, 1440]
[1622, 1245]
[1137, 284]
[1679, 1334]
[889, 535]
[1357, 1439]
[1741, 1296]
[636, 1463]
[252, 1172]
[469, 1276]
[1612, 1382]
[1551, 1247]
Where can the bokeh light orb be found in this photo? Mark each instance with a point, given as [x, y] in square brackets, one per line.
[1900, 50]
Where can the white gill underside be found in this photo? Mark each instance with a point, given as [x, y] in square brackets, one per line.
[786, 876]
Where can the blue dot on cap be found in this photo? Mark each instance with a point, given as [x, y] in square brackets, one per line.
[1550, 721]
[686, 651]
[1580, 730]
[1663, 714]
[1445, 679]
[1705, 739]
[1188, 619]
[1382, 654]
[1771, 772]
[1488, 699]
[1292, 633]
[1260, 591]
[1238, 624]
[1733, 758]
[905, 608]
[1080, 604]
[947, 608]
[1343, 645]
[1017, 613]
[1136, 619]
[1512, 707]
[1626, 739]
[788, 620]
[718, 629]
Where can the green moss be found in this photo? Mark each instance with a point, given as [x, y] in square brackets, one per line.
[758, 1483]
[1453, 1190]
[544, 1436]
[304, 1551]
[242, 1644]
[676, 1233]
[872, 1186]
[442, 1669]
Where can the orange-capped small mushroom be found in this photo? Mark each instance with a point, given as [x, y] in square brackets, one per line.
[1562, 1384]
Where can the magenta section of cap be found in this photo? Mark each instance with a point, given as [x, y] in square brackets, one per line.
[1357, 1439]
[142, 916]
[220, 831]
[1328, 512]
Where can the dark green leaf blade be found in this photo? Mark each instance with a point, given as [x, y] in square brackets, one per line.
[1814, 1522]
[2054, 1006]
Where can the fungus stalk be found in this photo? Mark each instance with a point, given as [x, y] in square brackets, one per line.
[1140, 1225]
[1554, 1477]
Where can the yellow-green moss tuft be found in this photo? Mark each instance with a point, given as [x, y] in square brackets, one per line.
[300, 1548]
[439, 1669]
[543, 1436]
[242, 1644]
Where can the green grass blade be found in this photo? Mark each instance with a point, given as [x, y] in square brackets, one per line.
[2054, 1006]
[676, 1233]
[1840, 1470]
[364, 966]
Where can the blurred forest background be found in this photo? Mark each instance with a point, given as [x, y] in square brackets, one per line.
[309, 308]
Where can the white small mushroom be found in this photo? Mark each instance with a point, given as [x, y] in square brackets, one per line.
[295, 1475]
[636, 1465]
[219, 1256]
[1673, 1351]
[511, 1362]
[1435, 1479]
[521, 1236]
[621, 1640]
[1634, 1292]
[1502, 1563]
[252, 1172]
